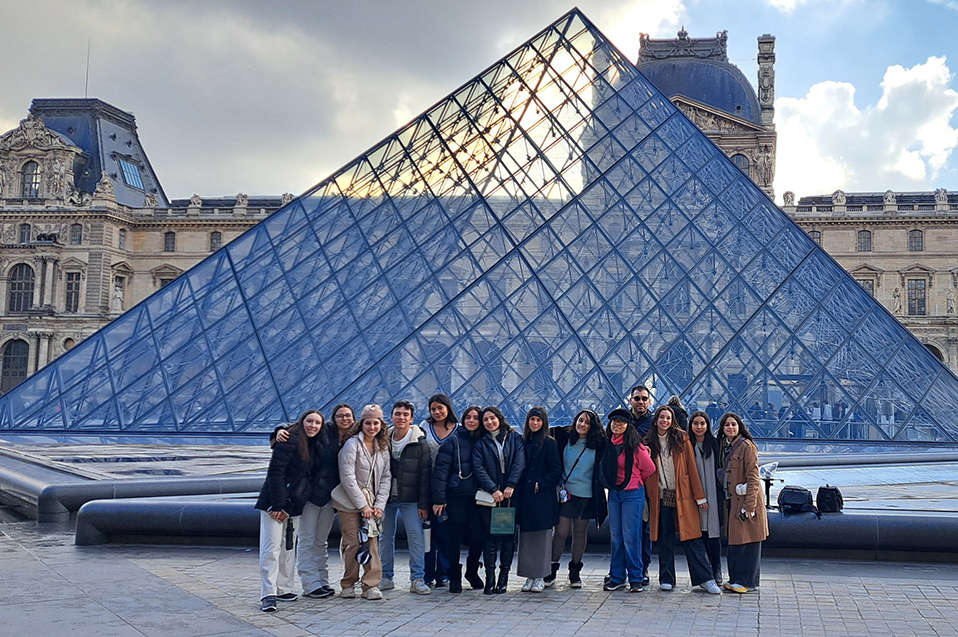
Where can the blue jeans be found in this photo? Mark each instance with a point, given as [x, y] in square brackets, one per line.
[625, 529]
[414, 538]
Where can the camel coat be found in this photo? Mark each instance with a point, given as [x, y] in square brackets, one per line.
[688, 491]
[743, 469]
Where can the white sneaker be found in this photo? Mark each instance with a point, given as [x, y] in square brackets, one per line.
[665, 587]
[538, 586]
[711, 587]
[528, 585]
[348, 593]
[372, 593]
[419, 587]
[386, 584]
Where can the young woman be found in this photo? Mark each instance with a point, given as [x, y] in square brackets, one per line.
[624, 469]
[676, 496]
[281, 500]
[438, 426]
[498, 461]
[581, 445]
[678, 411]
[747, 521]
[454, 497]
[537, 508]
[707, 461]
[317, 520]
[365, 478]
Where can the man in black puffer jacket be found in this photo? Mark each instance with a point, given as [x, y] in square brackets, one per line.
[410, 497]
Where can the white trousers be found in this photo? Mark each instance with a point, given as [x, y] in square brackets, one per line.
[277, 566]
[314, 526]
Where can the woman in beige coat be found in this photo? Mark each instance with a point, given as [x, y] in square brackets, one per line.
[365, 478]
[747, 522]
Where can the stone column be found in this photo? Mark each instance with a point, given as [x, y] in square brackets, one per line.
[766, 78]
[43, 353]
[48, 299]
[33, 340]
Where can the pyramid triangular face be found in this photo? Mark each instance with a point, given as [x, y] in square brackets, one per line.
[551, 234]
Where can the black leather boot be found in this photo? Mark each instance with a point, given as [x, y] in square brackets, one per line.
[455, 578]
[503, 582]
[490, 588]
[472, 572]
[550, 579]
[575, 581]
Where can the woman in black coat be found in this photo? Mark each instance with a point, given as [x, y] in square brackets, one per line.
[281, 500]
[498, 462]
[537, 507]
[581, 446]
[454, 496]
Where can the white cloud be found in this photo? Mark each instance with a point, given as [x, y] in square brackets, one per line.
[786, 6]
[623, 24]
[826, 142]
[948, 4]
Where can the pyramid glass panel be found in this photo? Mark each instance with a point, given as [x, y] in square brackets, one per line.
[553, 232]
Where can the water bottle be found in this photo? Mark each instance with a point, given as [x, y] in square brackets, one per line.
[427, 534]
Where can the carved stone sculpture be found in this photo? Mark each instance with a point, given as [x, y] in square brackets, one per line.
[242, 200]
[838, 198]
[941, 195]
[896, 298]
[31, 133]
[890, 197]
[789, 198]
[286, 198]
[150, 200]
[196, 201]
[104, 187]
[950, 299]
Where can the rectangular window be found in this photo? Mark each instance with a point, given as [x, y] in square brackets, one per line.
[216, 241]
[916, 297]
[916, 241]
[122, 240]
[76, 234]
[169, 242]
[24, 233]
[165, 282]
[73, 292]
[868, 284]
[131, 174]
[864, 241]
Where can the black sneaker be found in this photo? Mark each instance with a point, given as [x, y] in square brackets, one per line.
[442, 582]
[635, 587]
[645, 579]
[287, 597]
[320, 593]
[269, 604]
[612, 586]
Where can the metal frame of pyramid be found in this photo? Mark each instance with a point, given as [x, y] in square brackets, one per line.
[554, 232]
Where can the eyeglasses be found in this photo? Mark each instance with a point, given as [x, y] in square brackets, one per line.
[342, 416]
[641, 399]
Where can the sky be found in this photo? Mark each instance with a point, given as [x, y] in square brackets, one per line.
[271, 97]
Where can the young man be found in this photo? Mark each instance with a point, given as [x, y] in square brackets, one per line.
[409, 497]
[640, 402]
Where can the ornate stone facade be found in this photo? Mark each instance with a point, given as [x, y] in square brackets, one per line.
[71, 260]
[740, 121]
[901, 247]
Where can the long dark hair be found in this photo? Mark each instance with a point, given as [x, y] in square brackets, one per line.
[593, 439]
[709, 443]
[442, 399]
[297, 429]
[742, 429]
[478, 432]
[536, 437]
[676, 437]
[503, 424]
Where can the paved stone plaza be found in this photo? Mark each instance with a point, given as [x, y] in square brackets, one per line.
[50, 587]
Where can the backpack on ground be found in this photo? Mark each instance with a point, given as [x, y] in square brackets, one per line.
[829, 499]
[792, 499]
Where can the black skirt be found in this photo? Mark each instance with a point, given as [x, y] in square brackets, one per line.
[577, 508]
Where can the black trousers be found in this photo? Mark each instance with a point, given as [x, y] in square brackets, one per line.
[744, 564]
[713, 548]
[462, 525]
[700, 571]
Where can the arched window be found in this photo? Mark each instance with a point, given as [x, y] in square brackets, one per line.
[916, 241]
[21, 289]
[15, 354]
[816, 236]
[169, 242]
[76, 234]
[31, 180]
[741, 161]
[24, 233]
[216, 241]
[864, 241]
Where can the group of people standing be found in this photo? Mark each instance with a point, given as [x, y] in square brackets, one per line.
[483, 484]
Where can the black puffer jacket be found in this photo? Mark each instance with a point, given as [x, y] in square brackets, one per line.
[453, 476]
[485, 461]
[412, 473]
[325, 474]
[285, 476]
[537, 506]
[599, 501]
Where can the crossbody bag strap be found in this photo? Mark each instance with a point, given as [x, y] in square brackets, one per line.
[574, 464]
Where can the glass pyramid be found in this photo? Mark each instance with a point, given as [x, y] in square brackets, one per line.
[554, 232]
